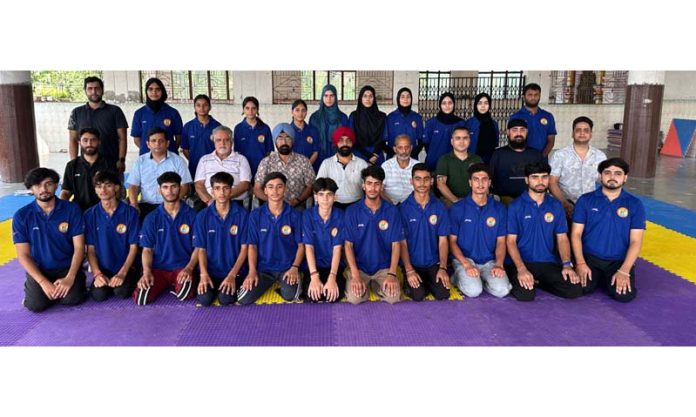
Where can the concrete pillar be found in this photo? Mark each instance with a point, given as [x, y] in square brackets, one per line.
[18, 151]
[641, 123]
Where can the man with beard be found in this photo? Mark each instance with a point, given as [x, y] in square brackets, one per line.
[344, 168]
[157, 114]
[451, 182]
[49, 237]
[296, 168]
[508, 163]
[607, 234]
[536, 227]
[79, 172]
[169, 258]
[108, 119]
[373, 235]
[541, 124]
[397, 170]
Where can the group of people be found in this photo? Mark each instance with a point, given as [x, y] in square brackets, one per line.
[471, 215]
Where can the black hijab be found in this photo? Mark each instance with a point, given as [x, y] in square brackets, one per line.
[155, 105]
[450, 118]
[368, 122]
[404, 110]
[487, 138]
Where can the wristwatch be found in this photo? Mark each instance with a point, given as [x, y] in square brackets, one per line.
[567, 264]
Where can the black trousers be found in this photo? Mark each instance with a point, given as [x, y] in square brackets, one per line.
[323, 277]
[209, 295]
[549, 278]
[123, 291]
[602, 271]
[36, 300]
[429, 285]
[266, 280]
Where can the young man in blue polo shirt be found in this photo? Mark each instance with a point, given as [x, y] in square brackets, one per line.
[169, 258]
[219, 235]
[49, 237]
[541, 123]
[373, 235]
[536, 226]
[607, 234]
[323, 234]
[112, 230]
[425, 250]
[275, 245]
[477, 238]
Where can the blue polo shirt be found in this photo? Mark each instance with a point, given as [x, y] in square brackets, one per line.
[276, 238]
[438, 138]
[49, 237]
[307, 142]
[372, 234]
[167, 118]
[607, 223]
[221, 238]
[253, 142]
[539, 126]
[536, 227]
[423, 228]
[411, 125]
[323, 236]
[198, 139]
[112, 235]
[170, 239]
[478, 228]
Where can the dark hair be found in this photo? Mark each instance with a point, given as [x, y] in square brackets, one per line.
[156, 130]
[106, 176]
[37, 175]
[583, 119]
[274, 176]
[539, 167]
[531, 86]
[91, 130]
[478, 167]
[222, 177]
[324, 183]
[161, 86]
[460, 128]
[93, 79]
[420, 167]
[374, 171]
[201, 97]
[256, 103]
[617, 162]
[169, 177]
[297, 103]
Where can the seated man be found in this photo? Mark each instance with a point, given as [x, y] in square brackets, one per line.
[451, 182]
[344, 168]
[219, 235]
[608, 226]
[424, 252]
[275, 245]
[373, 235]
[536, 225]
[169, 257]
[49, 237]
[477, 238]
[79, 172]
[322, 234]
[112, 229]
[397, 171]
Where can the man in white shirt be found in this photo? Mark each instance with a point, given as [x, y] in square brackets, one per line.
[344, 168]
[397, 185]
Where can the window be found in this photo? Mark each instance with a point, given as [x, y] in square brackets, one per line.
[183, 86]
[432, 83]
[307, 85]
[501, 84]
[588, 87]
[60, 85]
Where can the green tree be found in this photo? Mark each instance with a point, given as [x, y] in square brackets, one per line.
[60, 85]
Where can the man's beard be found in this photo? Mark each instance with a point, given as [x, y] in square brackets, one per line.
[345, 150]
[518, 145]
[284, 150]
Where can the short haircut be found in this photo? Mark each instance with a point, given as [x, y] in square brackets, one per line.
[37, 175]
[583, 119]
[169, 177]
[298, 102]
[324, 184]
[617, 162]
[460, 128]
[374, 171]
[222, 177]
[539, 167]
[403, 136]
[531, 86]
[90, 130]
[106, 176]
[225, 129]
[420, 167]
[93, 79]
[478, 167]
[156, 130]
[274, 176]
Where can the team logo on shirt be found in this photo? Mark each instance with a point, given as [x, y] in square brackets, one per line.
[433, 219]
[63, 227]
[167, 122]
[286, 230]
[234, 230]
[334, 232]
[622, 212]
[490, 222]
[310, 139]
[383, 225]
[184, 229]
[548, 217]
[543, 121]
[121, 228]
[413, 124]
[261, 138]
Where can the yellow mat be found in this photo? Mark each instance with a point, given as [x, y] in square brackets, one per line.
[670, 250]
[7, 249]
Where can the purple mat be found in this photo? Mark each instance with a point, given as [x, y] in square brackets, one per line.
[663, 314]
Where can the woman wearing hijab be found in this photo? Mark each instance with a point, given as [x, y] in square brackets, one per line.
[404, 121]
[156, 113]
[306, 136]
[369, 125]
[252, 137]
[327, 119]
[438, 131]
[483, 130]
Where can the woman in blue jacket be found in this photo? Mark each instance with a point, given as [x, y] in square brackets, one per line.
[438, 130]
[252, 137]
[404, 121]
[483, 129]
[369, 124]
[327, 119]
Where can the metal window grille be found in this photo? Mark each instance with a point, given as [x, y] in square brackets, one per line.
[183, 86]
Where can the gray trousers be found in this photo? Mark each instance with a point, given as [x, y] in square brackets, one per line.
[473, 286]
